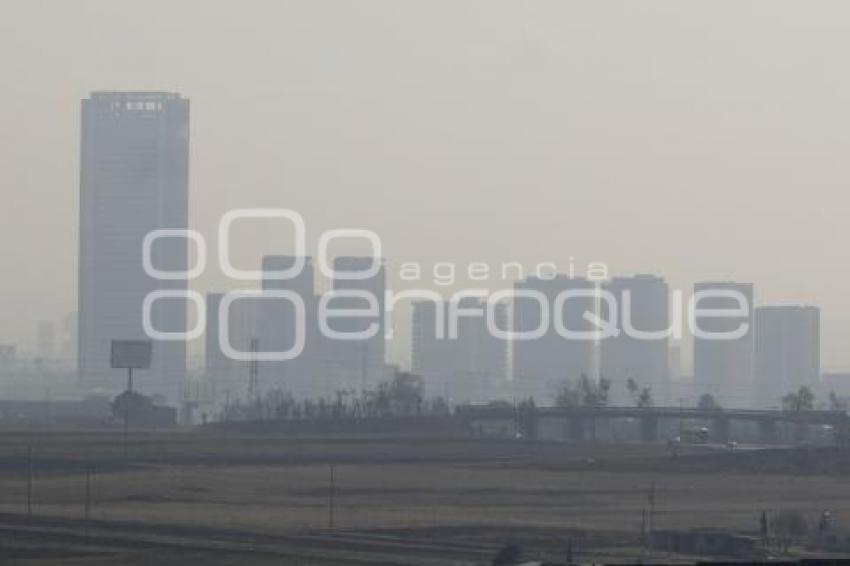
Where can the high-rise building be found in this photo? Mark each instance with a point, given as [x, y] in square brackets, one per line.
[469, 367]
[278, 325]
[629, 355]
[488, 356]
[723, 367]
[362, 360]
[134, 168]
[437, 360]
[227, 376]
[787, 351]
[303, 283]
[541, 364]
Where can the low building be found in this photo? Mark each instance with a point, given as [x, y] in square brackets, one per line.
[141, 412]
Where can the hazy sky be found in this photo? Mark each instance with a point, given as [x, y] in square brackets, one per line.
[691, 139]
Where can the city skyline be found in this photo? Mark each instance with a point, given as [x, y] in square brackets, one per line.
[378, 282]
[466, 366]
[742, 161]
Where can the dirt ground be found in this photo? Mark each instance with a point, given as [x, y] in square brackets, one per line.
[181, 497]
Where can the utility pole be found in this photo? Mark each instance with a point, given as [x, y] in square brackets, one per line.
[29, 480]
[331, 497]
[129, 354]
[127, 400]
[88, 498]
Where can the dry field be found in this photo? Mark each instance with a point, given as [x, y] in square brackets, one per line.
[223, 499]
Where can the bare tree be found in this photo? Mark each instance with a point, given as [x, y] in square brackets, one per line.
[586, 393]
[641, 396]
[837, 403]
[707, 402]
[801, 400]
[634, 390]
[568, 395]
[645, 398]
[594, 393]
[788, 526]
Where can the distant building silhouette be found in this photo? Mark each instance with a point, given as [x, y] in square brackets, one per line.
[362, 360]
[134, 168]
[143, 412]
[724, 368]
[625, 356]
[539, 365]
[787, 351]
[471, 367]
[228, 377]
[302, 375]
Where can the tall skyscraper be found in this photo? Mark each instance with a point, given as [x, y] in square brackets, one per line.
[225, 375]
[134, 169]
[541, 364]
[724, 368]
[470, 367]
[787, 351]
[488, 357]
[628, 355]
[364, 360]
[278, 325]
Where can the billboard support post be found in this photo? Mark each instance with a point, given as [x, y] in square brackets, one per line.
[130, 355]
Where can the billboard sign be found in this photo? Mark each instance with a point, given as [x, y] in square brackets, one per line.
[135, 354]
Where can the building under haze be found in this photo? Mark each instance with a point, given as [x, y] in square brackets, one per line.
[642, 302]
[541, 364]
[310, 373]
[470, 367]
[134, 167]
[229, 378]
[723, 367]
[787, 351]
[362, 361]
